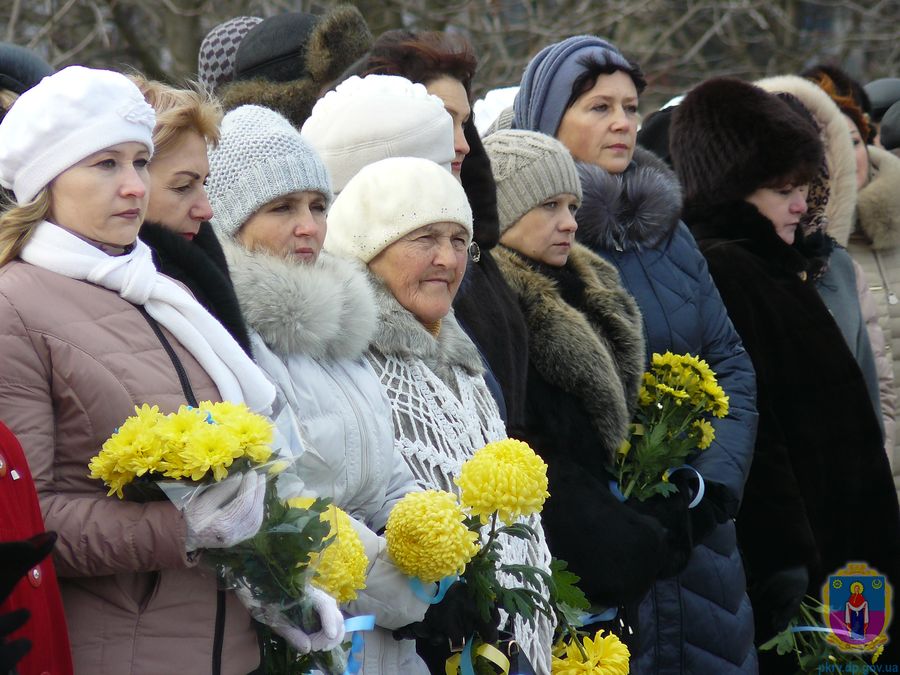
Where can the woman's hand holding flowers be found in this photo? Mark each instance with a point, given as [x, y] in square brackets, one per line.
[226, 513]
[329, 635]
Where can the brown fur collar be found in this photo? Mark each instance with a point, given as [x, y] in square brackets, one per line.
[879, 201]
[595, 353]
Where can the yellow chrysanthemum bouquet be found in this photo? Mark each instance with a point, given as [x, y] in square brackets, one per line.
[600, 655]
[678, 397]
[435, 536]
[302, 541]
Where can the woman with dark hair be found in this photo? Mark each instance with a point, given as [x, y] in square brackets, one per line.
[485, 306]
[745, 159]
[585, 92]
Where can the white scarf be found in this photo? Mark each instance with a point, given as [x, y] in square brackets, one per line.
[134, 277]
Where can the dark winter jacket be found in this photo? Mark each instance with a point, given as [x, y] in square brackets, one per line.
[485, 306]
[586, 357]
[200, 265]
[820, 492]
[699, 622]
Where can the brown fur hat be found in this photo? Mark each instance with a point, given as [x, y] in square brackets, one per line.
[729, 138]
[316, 57]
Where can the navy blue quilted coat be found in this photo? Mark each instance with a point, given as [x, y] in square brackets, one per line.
[700, 621]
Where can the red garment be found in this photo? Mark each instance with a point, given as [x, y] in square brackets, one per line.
[20, 518]
[856, 600]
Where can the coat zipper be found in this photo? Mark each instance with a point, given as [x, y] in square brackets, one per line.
[184, 380]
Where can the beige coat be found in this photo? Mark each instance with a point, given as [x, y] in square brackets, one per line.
[76, 359]
[875, 245]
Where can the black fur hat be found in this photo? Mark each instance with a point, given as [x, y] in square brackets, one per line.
[729, 138]
[288, 73]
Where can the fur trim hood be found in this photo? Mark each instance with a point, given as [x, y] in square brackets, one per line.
[639, 207]
[879, 201]
[323, 311]
[839, 156]
[400, 334]
[337, 40]
[595, 353]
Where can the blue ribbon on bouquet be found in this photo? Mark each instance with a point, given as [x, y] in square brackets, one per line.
[701, 486]
[431, 598]
[357, 625]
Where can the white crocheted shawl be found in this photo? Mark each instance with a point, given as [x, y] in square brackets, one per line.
[443, 412]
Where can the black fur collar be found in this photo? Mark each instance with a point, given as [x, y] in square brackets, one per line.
[742, 224]
[200, 265]
[639, 207]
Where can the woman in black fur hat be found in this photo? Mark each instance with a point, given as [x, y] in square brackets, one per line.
[819, 494]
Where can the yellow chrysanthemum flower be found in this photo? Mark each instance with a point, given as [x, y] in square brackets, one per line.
[606, 655]
[211, 448]
[254, 433]
[707, 433]
[427, 537]
[131, 451]
[339, 569]
[505, 476]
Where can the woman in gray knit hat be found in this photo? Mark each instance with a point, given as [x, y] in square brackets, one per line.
[311, 317]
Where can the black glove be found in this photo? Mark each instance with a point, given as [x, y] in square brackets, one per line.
[16, 558]
[672, 513]
[776, 599]
[452, 621]
[715, 508]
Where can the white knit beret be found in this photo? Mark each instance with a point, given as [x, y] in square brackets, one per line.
[387, 200]
[260, 157]
[379, 116]
[529, 167]
[63, 119]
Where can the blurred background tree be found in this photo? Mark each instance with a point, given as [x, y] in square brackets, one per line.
[677, 42]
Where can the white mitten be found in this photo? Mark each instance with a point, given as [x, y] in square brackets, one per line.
[328, 637]
[226, 513]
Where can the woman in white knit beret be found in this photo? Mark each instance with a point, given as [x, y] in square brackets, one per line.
[88, 331]
[410, 222]
[311, 317]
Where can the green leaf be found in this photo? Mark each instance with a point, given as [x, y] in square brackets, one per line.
[563, 586]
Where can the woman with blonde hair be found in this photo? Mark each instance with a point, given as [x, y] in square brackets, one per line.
[177, 226]
[89, 330]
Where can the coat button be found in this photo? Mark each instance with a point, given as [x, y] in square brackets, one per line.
[2, 466]
[34, 576]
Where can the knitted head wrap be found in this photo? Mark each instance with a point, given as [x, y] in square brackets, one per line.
[529, 168]
[65, 118]
[387, 200]
[215, 63]
[260, 157]
[548, 79]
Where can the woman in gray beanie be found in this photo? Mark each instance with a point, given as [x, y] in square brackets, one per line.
[585, 92]
[312, 316]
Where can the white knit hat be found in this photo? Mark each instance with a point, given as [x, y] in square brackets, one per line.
[65, 118]
[376, 117]
[389, 199]
[260, 157]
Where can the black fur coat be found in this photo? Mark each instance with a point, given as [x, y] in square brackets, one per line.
[200, 265]
[819, 493]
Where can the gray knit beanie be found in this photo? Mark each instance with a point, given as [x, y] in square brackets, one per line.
[260, 157]
[529, 168]
[215, 62]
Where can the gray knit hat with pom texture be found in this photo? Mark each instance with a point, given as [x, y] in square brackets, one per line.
[529, 168]
[260, 157]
